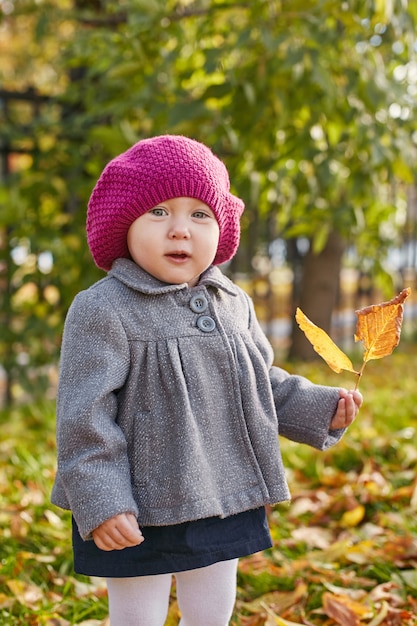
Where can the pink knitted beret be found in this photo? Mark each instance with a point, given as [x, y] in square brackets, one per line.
[150, 172]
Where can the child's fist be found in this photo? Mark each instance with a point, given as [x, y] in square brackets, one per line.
[116, 533]
[347, 408]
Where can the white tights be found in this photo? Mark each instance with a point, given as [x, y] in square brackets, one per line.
[206, 597]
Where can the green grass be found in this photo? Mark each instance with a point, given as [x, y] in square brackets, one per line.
[349, 536]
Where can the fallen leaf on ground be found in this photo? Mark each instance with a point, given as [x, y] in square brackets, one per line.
[343, 610]
[277, 601]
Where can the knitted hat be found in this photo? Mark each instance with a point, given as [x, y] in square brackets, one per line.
[153, 171]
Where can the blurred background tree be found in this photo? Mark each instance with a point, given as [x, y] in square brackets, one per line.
[311, 104]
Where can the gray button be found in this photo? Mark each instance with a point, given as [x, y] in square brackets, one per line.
[198, 303]
[206, 323]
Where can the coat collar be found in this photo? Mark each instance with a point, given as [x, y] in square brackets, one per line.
[135, 277]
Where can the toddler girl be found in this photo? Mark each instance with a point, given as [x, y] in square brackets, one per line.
[169, 406]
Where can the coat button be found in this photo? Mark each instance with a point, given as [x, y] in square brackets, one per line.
[206, 323]
[198, 303]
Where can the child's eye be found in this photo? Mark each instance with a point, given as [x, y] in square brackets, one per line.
[200, 214]
[158, 211]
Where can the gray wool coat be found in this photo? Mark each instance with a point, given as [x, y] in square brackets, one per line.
[169, 406]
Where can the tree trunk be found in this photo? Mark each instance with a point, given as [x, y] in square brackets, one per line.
[318, 294]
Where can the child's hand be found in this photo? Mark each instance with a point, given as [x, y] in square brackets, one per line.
[121, 531]
[347, 408]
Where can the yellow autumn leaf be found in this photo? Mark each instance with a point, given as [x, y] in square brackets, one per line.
[25, 593]
[335, 358]
[277, 601]
[5, 601]
[362, 551]
[279, 621]
[379, 326]
[276, 620]
[353, 517]
[344, 610]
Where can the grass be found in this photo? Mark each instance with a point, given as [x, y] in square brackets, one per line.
[346, 546]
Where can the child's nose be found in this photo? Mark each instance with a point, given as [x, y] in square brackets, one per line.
[179, 230]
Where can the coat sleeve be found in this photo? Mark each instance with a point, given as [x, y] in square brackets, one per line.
[304, 409]
[93, 474]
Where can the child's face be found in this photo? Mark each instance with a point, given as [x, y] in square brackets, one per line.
[175, 241]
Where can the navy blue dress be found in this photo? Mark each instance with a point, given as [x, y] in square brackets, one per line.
[176, 548]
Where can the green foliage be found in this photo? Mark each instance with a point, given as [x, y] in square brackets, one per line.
[350, 530]
[309, 103]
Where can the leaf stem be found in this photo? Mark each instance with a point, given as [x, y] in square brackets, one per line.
[359, 375]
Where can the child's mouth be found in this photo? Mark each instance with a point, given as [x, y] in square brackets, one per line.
[178, 256]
